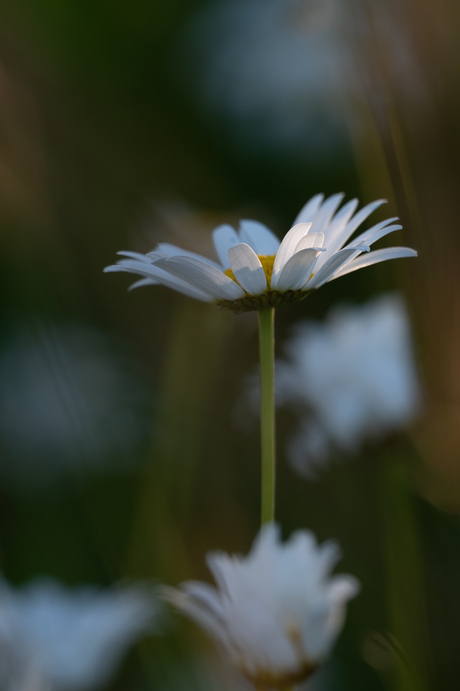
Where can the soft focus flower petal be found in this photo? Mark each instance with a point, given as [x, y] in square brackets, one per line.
[353, 377]
[276, 612]
[74, 638]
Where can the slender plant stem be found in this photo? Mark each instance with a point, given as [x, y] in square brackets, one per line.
[267, 411]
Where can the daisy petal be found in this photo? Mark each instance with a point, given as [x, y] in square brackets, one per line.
[374, 258]
[143, 282]
[224, 237]
[156, 275]
[356, 221]
[334, 263]
[132, 266]
[347, 210]
[202, 276]
[310, 240]
[185, 289]
[192, 604]
[376, 232]
[308, 212]
[207, 595]
[136, 255]
[326, 212]
[334, 231]
[247, 269]
[297, 270]
[287, 249]
[219, 564]
[166, 249]
[259, 237]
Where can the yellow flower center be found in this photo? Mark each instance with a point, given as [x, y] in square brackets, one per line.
[267, 261]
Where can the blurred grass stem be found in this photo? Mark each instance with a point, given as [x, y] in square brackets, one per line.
[267, 411]
[404, 572]
[167, 493]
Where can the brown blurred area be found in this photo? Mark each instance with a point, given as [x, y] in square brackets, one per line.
[405, 114]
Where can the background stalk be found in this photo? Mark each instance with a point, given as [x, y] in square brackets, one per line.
[267, 411]
[404, 575]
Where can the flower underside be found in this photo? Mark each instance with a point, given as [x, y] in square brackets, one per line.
[269, 680]
[264, 680]
[271, 298]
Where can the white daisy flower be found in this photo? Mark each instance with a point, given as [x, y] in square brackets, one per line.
[353, 378]
[255, 271]
[276, 612]
[70, 640]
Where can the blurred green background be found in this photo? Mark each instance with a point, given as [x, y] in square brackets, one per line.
[120, 451]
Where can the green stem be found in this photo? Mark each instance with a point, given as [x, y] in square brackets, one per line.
[267, 411]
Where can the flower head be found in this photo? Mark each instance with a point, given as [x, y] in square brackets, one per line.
[276, 612]
[353, 376]
[256, 271]
[71, 640]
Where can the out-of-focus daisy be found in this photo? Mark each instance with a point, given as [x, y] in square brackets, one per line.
[70, 399]
[285, 75]
[272, 71]
[255, 271]
[353, 378]
[70, 640]
[277, 612]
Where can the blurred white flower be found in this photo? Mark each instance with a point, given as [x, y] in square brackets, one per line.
[276, 612]
[273, 70]
[68, 398]
[256, 271]
[65, 639]
[353, 377]
[284, 75]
